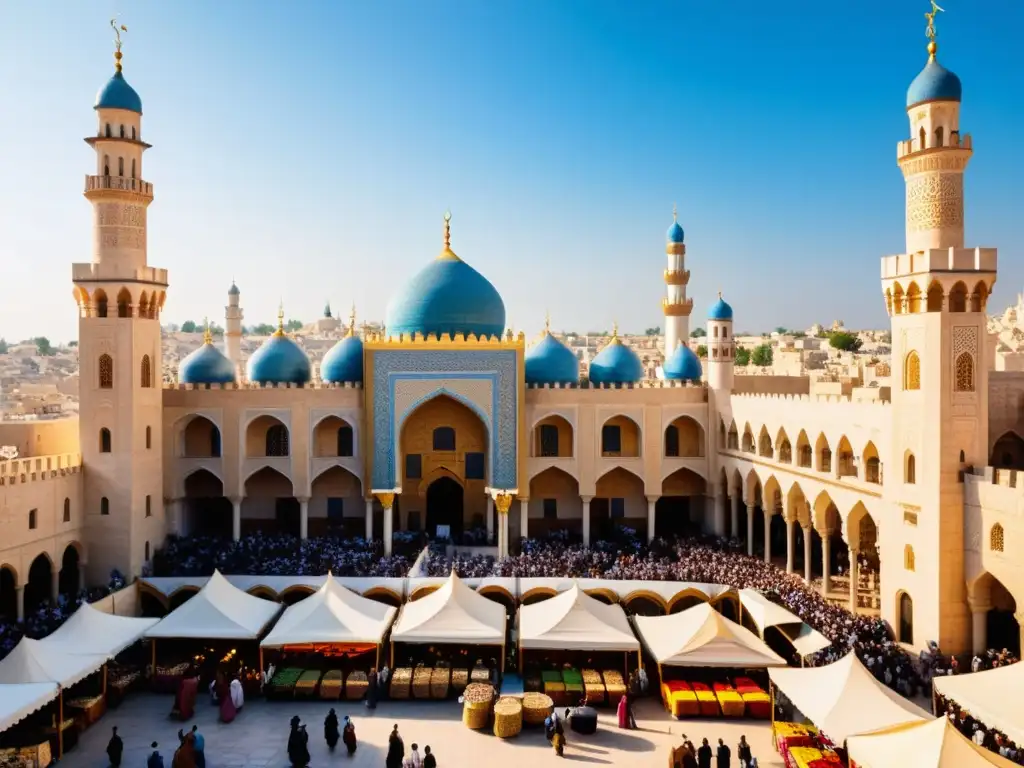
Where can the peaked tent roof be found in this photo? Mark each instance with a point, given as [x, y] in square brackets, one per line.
[985, 696]
[844, 699]
[219, 611]
[935, 744]
[454, 613]
[92, 631]
[19, 701]
[577, 621]
[333, 614]
[32, 661]
[702, 637]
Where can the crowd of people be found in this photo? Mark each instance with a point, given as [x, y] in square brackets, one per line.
[990, 738]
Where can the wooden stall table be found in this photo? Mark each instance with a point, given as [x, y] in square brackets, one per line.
[69, 731]
[87, 710]
[811, 757]
[28, 756]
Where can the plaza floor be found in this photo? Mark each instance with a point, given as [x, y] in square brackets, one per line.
[259, 735]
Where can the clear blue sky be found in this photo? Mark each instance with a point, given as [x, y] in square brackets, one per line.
[309, 150]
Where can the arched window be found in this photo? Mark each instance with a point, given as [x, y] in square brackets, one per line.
[672, 441]
[611, 440]
[120, 166]
[964, 379]
[906, 622]
[104, 440]
[912, 372]
[149, 508]
[100, 299]
[715, 332]
[124, 303]
[106, 165]
[104, 506]
[149, 438]
[146, 373]
[872, 473]
[346, 442]
[33, 515]
[923, 138]
[277, 440]
[133, 133]
[908, 557]
[444, 439]
[938, 136]
[215, 443]
[133, 167]
[108, 130]
[106, 372]
[911, 470]
[995, 538]
[67, 510]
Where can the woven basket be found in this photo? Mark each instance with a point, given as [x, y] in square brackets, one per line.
[536, 708]
[331, 685]
[421, 682]
[480, 674]
[439, 682]
[356, 686]
[477, 704]
[460, 679]
[401, 682]
[508, 718]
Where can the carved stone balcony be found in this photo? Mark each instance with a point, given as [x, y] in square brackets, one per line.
[101, 184]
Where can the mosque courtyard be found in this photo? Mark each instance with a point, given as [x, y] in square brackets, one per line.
[258, 737]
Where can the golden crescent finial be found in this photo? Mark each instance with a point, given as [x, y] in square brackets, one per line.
[615, 330]
[352, 321]
[207, 336]
[447, 230]
[118, 29]
[280, 319]
[930, 29]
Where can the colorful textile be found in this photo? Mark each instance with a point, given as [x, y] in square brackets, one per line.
[730, 701]
[706, 700]
[792, 733]
[679, 699]
[811, 757]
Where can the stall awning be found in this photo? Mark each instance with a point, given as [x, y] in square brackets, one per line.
[575, 621]
[453, 613]
[92, 631]
[844, 699]
[32, 661]
[701, 637]
[219, 611]
[935, 744]
[333, 614]
[19, 701]
[989, 696]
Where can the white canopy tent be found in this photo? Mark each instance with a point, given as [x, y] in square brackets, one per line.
[702, 637]
[844, 699]
[574, 620]
[333, 614]
[764, 613]
[453, 613]
[32, 661]
[219, 611]
[90, 631]
[935, 744]
[19, 701]
[987, 696]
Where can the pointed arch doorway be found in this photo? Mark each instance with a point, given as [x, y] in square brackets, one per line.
[445, 499]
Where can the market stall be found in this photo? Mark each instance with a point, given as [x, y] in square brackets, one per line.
[766, 615]
[932, 744]
[985, 696]
[700, 637]
[329, 639]
[442, 637]
[570, 632]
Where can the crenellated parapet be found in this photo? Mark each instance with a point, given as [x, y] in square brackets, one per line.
[823, 398]
[644, 384]
[257, 385]
[444, 341]
[37, 468]
[679, 307]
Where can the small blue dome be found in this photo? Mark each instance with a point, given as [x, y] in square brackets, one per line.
[675, 233]
[616, 364]
[549, 361]
[233, 290]
[683, 365]
[279, 360]
[343, 362]
[117, 94]
[447, 296]
[206, 365]
[720, 310]
[934, 83]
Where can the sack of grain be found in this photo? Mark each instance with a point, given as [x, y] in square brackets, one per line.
[536, 708]
[401, 683]
[421, 682]
[508, 718]
[477, 702]
[439, 682]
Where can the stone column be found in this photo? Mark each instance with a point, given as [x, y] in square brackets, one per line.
[387, 500]
[825, 565]
[979, 628]
[767, 536]
[807, 552]
[750, 529]
[734, 515]
[652, 502]
[20, 600]
[719, 515]
[524, 518]
[854, 576]
[503, 503]
[586, 521]
[54, 585]
[369, 520]
[236, 517]
[789, 546]
[490, 520]
[303, 517]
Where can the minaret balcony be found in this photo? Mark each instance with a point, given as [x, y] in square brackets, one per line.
[954, 140]
[677, 307]
[677, 277]
[119, 184]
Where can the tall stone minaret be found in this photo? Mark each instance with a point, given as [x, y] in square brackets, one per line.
[675, 305]
[935, 295]
[233, 328]
[120, 298]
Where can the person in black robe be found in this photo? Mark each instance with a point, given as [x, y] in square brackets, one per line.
[743, 752]
[331, 732]
[371, 690]
[115, 747]
[723, 755]
[349, 736]
[298, 745]
[704, 755]
[396, 750]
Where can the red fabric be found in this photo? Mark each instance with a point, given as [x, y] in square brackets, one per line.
[622, 713]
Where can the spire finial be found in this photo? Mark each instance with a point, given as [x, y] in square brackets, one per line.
[719, 294]
[447, 230]
[547, 322]
[280, 319]
[352, 321]
[615, 330]
[930, 29]
[675, 213]
[118, 29]
[207, 336]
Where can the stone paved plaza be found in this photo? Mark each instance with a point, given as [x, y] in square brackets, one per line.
[258, 736]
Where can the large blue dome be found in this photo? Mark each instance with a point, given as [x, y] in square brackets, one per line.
[616, 364]
[278, 361]
[117, 94]
[343, 362]
[934, 83]
[549, 361]
[683, 365]
[206, 365]
[720, 310]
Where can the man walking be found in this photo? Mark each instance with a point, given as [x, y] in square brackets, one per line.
[723, 755]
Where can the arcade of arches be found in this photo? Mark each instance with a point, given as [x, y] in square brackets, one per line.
[19, 598]
[994, 617]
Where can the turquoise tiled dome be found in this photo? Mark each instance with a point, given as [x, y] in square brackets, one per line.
[720, 310]
[675, 233]
[343, 362]
[616, 364]
[278, 361]
[683, 365]
[549, 361]
[117, 94]
[934, 83]
[233, 290]
[206, 365]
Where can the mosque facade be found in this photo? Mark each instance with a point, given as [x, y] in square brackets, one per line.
[448, 422]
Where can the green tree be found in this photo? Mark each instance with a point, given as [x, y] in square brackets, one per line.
[845, 342]
[762, 355]
[188, 326]
[698, 333]
[655, 331]
[293, 325]
[781, 330]
[70, 343]
[216, 330]
[263, 329]
[3, 346]
[702, 351]
[43, 346]
[742, 356]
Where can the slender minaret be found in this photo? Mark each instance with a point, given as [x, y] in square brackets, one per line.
[120, 298]
[721, 346]
[675, 305]
[233, 327]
